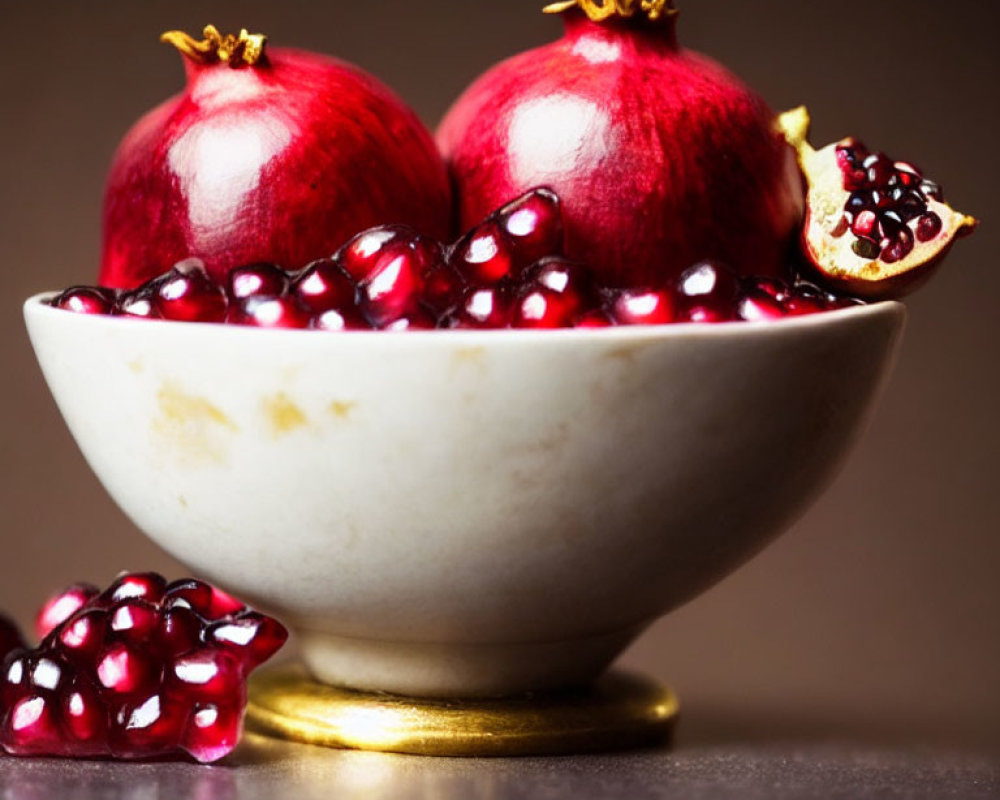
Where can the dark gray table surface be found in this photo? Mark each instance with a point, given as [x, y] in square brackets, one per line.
[265, 769]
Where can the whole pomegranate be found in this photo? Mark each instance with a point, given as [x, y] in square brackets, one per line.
[267, 156]
[662, 158]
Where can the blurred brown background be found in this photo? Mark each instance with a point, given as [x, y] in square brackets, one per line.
[878, 616]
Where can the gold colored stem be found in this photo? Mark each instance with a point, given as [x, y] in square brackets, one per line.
[244, 50]
[600, 10]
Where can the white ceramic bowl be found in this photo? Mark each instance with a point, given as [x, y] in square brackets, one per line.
[465, 513]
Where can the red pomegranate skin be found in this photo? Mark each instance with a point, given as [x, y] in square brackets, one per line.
[279, 162]
[662, 158]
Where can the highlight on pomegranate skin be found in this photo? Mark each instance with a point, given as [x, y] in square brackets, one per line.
[143, 669]
[509, 271]
[260, 159]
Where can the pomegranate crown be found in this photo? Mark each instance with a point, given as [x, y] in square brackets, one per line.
[244, 50]
[600, 10]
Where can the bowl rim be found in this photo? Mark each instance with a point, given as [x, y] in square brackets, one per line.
[37, 306]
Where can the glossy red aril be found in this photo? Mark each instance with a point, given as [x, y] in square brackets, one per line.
[187, 294]
[392, 287]
[267, 155]
[661, 157]
[875, 227]
[707, 293]
[254, 280]
[86, 300]
[324, 286]
[556, 293]
[268, 312]
[643, 307]
[60, 607]
[484, 308]
[141, 670]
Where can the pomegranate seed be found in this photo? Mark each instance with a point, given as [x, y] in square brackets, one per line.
[864, 224]
[595, 319]
[360, 256]
[485, 256]
[140, 585]
[180, 630]
[152, 726]
[418, 320]
[208, 601]
[805, 300]
[556, 293]
[139, 304]
[252, 636]
[82, 636]
[60, 607]
[534, 226]
[268, 312]
[759, 306]
[772, 287]
[124, 669]
[929, 227]
[85, 719]
[393, 289]
[257, 280]
[206, 675]
[212, 732]
[643, 307]
[324, 286]
[187, 294]
[443, 289]
[31, 726]
[86, 300]
[484, 308]
[134, 620]
[706, 293]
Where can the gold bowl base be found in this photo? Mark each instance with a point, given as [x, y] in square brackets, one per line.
[617, 712]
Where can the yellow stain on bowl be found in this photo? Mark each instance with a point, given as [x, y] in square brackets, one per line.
[342, 409]
[282, 415]
[190, 427]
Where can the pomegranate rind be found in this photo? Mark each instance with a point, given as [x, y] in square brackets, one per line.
[827, 239]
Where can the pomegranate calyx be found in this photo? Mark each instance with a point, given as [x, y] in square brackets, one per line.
[875, 227]
[601, 10]
[244, 50]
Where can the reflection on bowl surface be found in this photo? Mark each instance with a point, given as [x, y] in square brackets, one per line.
[463, 513]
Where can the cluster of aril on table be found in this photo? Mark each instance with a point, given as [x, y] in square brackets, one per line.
[609, 178]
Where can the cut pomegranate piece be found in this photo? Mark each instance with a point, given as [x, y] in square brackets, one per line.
[140, 670]
[875, 227]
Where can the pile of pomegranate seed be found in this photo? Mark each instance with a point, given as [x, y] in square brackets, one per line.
[507, 272]
[140, 670]
[887, 208]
